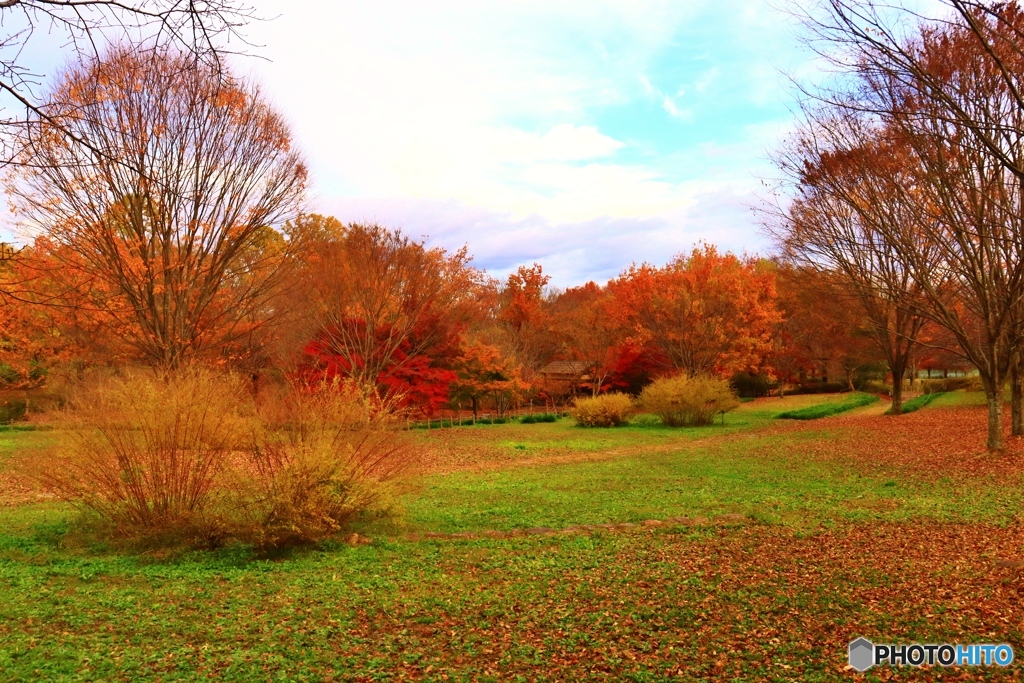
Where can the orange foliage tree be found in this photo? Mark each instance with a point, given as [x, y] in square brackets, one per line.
[167, 226]
[49, 316]
[523, 319]
[701, 313]
[822, 328]
[589, 334]
[381, 309]
[482, 372]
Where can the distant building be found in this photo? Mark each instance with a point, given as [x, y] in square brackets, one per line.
[563, 378]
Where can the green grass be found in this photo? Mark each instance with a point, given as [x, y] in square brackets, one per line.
[857, 400]
[757, 476]
[535, 418]
[918, 402]
[626, 607]
[843, 547]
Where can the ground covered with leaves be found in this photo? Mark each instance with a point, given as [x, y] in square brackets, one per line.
[899, 529]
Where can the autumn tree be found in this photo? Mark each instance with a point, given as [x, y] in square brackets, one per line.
[702, 313]
[583, 320]
[878, 39]
[484, 372]
[845, 203]
[381, 304]
[31, 339]
[523, 318]
[171, 243]
[821, 327]
[952, 101]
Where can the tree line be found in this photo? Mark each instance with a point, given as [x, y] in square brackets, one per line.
[904, 178]
[165, 201]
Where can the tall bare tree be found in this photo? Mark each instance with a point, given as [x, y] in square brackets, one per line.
[203, 29]
[947, 90]
[895, 42]
[174, 244]
[848, 201]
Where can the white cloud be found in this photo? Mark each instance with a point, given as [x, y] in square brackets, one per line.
[471, 123]
[475, 122]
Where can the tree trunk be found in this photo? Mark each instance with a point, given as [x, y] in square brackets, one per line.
[897, 388]
[897, 397]
[994, 394]
[1017, 399]
[474, 410]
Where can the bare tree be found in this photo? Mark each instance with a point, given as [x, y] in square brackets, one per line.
[202, 29]
[848, 200]
[890, 40]
[970, 209]
[175, 247]
[947, 89]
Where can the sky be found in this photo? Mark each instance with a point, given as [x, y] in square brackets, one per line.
[582, 135]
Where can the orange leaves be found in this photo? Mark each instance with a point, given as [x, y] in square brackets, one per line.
[230, 98]
[930, 444]
[386, 309]
[584, 319]
[156, 195]
[522, 298]
[705, 312]
[483, 371]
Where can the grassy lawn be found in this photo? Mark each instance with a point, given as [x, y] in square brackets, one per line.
[895, 528]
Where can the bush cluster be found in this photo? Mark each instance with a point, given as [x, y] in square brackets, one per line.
[820, 388]
[749, 385]
[875, 386]
[604, 410]
[448, 423]
[318, 457]
[936, 386]
[191, 458]
[684, 401]
[536, 418]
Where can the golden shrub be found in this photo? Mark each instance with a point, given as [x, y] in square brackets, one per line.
[688, 401]
[320, 458]
[189, 458]
[145, 450]
[604, 410]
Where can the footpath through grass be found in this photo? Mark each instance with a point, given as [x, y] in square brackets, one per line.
[892, 528]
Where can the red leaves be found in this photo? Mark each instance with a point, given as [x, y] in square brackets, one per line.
[419, 380]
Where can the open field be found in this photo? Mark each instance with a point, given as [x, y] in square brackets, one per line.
[894, 528]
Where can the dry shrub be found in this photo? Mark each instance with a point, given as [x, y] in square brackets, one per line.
[320, 458]
[684, 401]
[605, 410]
[931, 386]
[189, 458]
[146, 451]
